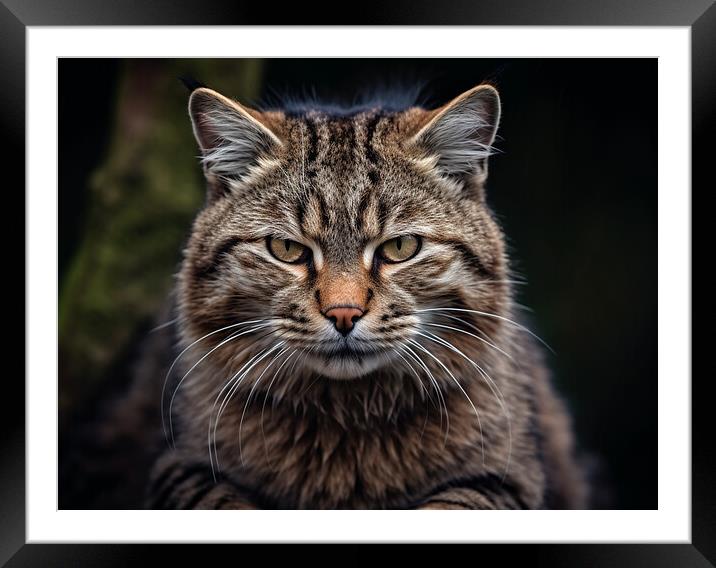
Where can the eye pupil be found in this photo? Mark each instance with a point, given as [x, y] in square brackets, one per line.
[287, 250]
[399, 249]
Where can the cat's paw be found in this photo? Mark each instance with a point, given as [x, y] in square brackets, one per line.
[443, 505]
[222, 497]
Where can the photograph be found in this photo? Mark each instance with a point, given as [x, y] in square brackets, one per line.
[357, 283]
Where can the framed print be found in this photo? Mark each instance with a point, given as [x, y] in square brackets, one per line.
[274, 294]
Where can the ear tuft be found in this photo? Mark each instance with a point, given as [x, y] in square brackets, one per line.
[460, 134]
[231, 138]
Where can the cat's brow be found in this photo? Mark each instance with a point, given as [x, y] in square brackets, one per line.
[219, 252]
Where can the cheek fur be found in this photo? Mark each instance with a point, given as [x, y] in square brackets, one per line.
[240, 289]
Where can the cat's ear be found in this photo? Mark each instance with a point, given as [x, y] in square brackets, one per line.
[232, 137]
[460, 134]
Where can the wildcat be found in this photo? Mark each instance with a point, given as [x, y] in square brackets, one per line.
[347, 335]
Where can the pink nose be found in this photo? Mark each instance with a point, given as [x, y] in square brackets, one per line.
[343, 317]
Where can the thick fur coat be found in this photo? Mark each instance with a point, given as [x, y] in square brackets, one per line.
[433, 395]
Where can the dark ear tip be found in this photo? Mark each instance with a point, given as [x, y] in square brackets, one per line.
[191, 84]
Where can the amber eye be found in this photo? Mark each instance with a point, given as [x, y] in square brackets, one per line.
[287, 250]
[399, 249]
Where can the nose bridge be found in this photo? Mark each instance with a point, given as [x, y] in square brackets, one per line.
[342, 287]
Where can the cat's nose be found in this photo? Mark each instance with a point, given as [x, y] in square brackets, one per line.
[344, 317]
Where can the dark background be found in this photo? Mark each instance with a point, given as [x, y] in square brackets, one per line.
[574, 187]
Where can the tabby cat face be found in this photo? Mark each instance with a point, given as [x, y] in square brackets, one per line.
[329, 234]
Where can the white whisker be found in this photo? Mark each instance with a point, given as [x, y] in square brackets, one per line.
[228, 384]
[477, 414]
[263, 407]
[436, 386]
[489, 315]
[233, 336]
[417, 376]
[425, 390]
[493, 387]
[248, 398]
[171, 368]
[236, 382]
[490, 344]
[163, 325]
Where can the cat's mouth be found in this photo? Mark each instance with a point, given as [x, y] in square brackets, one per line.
[343, 361]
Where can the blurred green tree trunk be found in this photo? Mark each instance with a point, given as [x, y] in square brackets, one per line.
[143, 197]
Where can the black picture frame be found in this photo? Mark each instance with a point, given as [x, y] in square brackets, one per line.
[16, 15]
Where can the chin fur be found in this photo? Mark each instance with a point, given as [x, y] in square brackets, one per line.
[345, 367]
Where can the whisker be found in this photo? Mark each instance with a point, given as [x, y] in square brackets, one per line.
[489, 315]
[478, 330]
[495, 347]
[417, 376]
[289, 372]
[425, 390]
[306, 353]
[216, 401]
[171, 368]
[228, 384]
[233, 336]
[477, 414]
[436, 386]
[313, 382]
[163, 325]
[493, 387]
[263, 354]
[263, 407]
[248, 398]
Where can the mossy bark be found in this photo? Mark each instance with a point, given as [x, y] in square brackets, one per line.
[143, 197]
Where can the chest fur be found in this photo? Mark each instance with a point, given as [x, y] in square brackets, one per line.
[306, 458]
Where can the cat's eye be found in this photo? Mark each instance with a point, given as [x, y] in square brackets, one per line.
[399, 249]
[287, 250]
